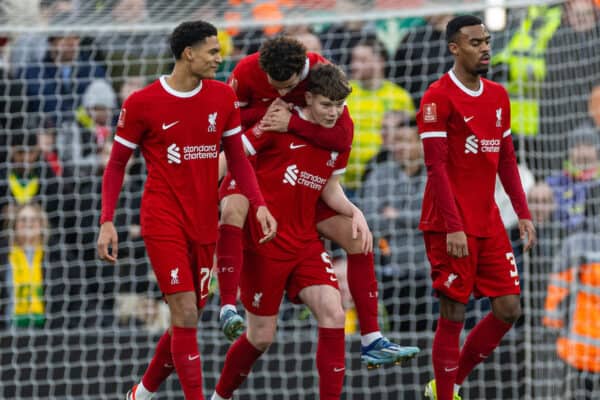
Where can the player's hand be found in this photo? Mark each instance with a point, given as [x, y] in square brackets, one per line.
[267, 223]
[276, 119]
[360, 226]
[528, 234]
[108, 238]
[456, 244]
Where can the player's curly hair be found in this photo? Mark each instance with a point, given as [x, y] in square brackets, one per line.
[281, 57]
[329, 81]
[188, 34]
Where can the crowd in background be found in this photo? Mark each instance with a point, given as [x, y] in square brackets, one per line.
[60, 94]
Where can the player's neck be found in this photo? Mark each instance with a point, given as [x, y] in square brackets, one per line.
[181, 80]
[470, 81]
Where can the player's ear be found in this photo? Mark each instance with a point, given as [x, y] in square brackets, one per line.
[308, 96]
[453, 47]
[187, 53]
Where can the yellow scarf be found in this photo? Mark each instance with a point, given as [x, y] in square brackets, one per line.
[23, 193]
[28, 293]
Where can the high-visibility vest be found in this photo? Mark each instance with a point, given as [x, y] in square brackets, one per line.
[573, 305]
[525, 57]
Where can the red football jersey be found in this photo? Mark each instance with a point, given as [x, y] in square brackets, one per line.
[474, 124]
[179, 134]
[292, 174]
[253, 88]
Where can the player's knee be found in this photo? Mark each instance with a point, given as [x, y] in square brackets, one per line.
[261, 339]
[234, 210]
[510, 313]
[184, 315]
[330, 313]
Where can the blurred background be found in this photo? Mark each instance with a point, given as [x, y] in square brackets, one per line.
[73, 327]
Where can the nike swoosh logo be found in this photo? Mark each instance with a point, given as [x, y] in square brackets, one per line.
[167, 126]
[192, 358]
[203, 296]
[338, 369]
[482, 356]
[296, 146]
[517, 282]
[450, 369]
[467, 119]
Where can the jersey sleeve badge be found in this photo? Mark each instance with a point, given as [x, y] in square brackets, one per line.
[429, 112]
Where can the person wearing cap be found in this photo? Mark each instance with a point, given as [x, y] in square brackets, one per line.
[80, 142]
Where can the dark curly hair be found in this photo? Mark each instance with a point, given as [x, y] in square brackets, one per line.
[329, 81]
[282, 57]
[188, 34]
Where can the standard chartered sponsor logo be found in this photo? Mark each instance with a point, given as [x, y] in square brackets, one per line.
[294, 176]
[173, 154]
[471, 145]
[474, 145]
[291, 175]
[200, 152]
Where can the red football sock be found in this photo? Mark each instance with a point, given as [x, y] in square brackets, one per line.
[363, 287]
[444, 354]
[229, 262]
[480, 343]
[186, 358]
[161, 365]
[239, 360]
[331, 354]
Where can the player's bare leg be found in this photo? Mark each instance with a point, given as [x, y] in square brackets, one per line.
[234, 210]
[326, 304]
[244, 352]
[376, 349]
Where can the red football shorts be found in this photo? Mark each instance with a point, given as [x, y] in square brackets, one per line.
[181, 265]
[264, 280]
[228, 187]
[490, 269]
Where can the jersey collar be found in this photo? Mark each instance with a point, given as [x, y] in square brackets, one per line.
[472, 93]
[177, 93]
[305, 70]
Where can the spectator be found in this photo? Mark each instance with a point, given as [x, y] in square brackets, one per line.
[422, 56]
[27, 177]
[572, 310]
[591, 122]
[309, 40]
[55, 86]
[372, 95]
[391, 199]
[79, 141]
[562, 110]
[30, 292]
[576, 186]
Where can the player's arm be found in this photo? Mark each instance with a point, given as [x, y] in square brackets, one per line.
[243, 173]
[279, 118]
[333, 195]
[130, 129]
[508, 171]
[250, 114]
[432, 120]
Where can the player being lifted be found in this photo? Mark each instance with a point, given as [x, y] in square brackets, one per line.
[270, 81]
[464, 123]
[178, 122]
[296, 174]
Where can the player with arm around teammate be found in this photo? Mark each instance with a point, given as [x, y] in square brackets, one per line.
[178, 122]
[464, 123]
[295, 261]
[271, 81]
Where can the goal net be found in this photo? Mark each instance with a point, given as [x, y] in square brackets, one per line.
[73, 327]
